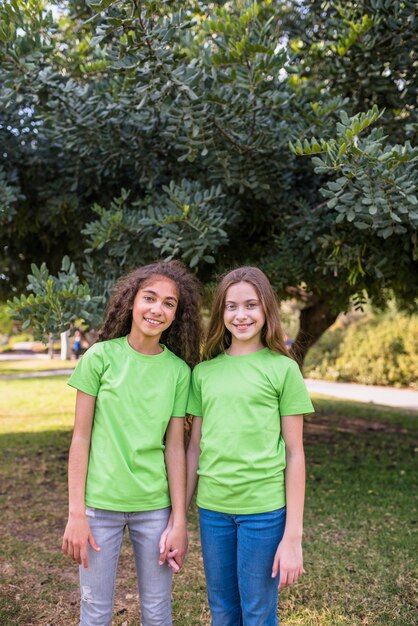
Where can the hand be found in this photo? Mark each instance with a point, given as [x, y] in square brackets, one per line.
[164, 555]
[77, 536]
[288, 561]
[173, 545]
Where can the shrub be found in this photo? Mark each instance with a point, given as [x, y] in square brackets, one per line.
[381, 352]
[320, 360]
[13, 340]
[6, 322]
[377, 352]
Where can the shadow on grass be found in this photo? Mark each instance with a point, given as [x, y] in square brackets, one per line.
[360, 522]
[39, 586]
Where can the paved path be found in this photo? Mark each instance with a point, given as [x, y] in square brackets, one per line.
[36, 374]
[388, 396]
[22, 356]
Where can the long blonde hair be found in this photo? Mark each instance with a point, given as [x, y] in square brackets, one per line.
[219, 337]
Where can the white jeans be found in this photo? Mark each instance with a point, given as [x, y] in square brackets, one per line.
[97, 583]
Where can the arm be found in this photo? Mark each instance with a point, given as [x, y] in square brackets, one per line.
[288, 559]
[77, 532]
[192, 459]
[175, 536]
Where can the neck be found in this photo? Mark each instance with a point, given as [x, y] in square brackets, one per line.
[145, 345]
[239, 348]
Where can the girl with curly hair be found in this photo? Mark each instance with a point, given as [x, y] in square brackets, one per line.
[127, 459]
[248, 398]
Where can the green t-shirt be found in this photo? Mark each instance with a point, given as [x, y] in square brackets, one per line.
[241, 400]
[136, 395]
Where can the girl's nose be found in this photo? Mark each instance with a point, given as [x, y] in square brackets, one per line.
[156, 308]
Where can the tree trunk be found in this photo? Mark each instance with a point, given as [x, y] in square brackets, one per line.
[90, 336]
[51, 346]
[314, 321]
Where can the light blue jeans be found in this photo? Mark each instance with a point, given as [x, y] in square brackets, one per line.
[238, 553]
[97, 583]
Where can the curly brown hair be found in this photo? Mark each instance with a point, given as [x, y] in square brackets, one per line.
[184, 335]
[219, 337]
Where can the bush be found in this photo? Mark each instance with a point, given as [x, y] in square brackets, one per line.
[12, 341]
[320, 360]
[378, 352]
[6, 322]
[381, 352]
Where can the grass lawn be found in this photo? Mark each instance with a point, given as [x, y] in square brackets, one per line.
[359, 526]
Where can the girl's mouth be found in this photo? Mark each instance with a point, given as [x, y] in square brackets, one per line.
[152, 322]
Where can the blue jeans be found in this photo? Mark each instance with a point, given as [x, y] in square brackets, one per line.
[238, 553]
[97, 583]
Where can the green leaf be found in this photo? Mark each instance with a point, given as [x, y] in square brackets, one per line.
[194, 261]
[344, 118]
[65, 263]
[387, 232]
[334, 186]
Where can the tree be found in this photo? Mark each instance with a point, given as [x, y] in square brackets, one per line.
[221, 134]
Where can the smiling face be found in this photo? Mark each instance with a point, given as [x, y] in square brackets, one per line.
[154, 308]
[244, 315]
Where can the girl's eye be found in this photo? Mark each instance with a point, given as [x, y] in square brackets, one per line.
[170, 305]
[230, 307]
[148, 298]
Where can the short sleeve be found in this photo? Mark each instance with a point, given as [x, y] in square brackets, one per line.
[194, 405]
[182, 392]
[294, 398]
[88, 373]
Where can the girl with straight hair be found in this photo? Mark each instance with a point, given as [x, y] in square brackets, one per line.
[248, 398]
[127, 458]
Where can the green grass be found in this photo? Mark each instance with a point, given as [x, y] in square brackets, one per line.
[36, 404]
[359, 526]
[360, 518]
[372, 413]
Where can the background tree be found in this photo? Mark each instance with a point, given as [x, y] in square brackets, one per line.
[221, 134]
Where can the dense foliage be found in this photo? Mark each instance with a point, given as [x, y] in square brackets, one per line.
[276, 133]
[375, 352]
